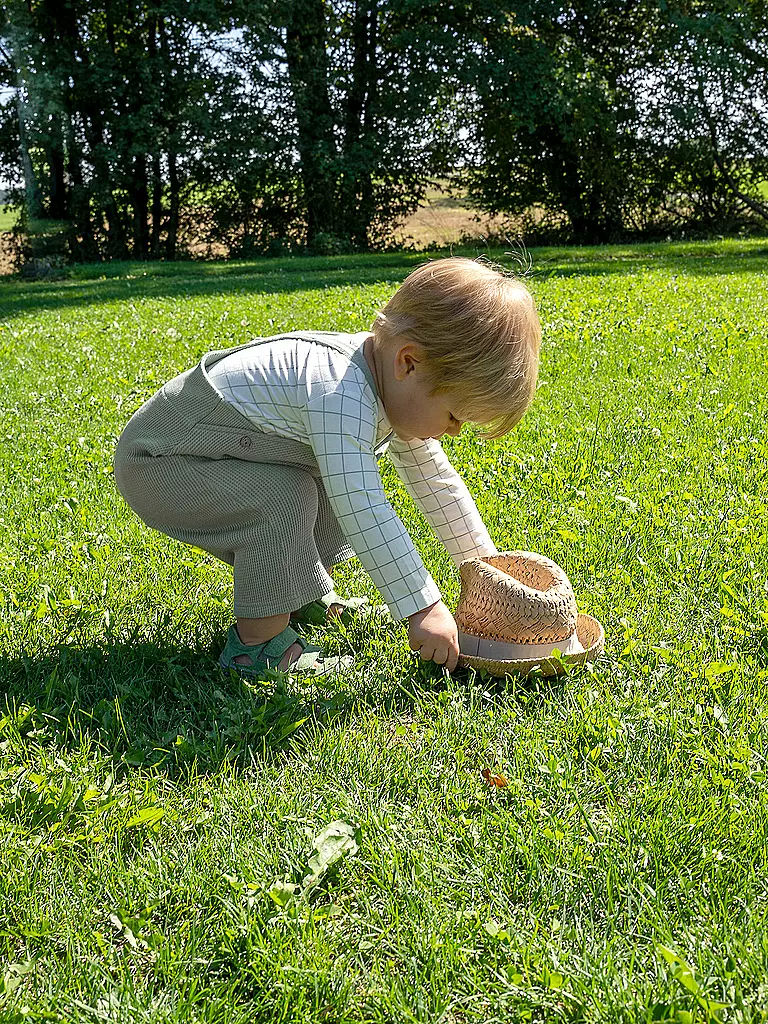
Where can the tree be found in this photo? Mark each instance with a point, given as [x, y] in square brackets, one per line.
[18, 155]
[554, 118]
[277, 122]
[306, 43]
[116, 104]
[710, 104]
[618, 116]
[351, 89]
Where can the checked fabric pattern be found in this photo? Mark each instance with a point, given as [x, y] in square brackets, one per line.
[308, 391]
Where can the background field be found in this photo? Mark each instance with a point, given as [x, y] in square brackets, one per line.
[442, 220]
[158, 820]
[7, 219]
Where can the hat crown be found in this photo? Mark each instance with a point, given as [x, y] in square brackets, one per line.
[516, 597]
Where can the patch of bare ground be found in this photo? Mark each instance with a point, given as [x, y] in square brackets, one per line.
[443, 221]
[6, 253]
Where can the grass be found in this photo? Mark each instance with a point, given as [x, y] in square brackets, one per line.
[159, 821]
[7, 219]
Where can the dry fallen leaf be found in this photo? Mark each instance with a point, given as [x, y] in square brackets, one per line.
[494, 780]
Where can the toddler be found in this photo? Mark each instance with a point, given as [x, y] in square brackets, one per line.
[265, 456]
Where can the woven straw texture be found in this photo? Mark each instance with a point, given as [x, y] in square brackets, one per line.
[516, 596]
[522, 597]
[589, 632]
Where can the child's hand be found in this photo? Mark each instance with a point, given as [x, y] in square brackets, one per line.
[432, 632]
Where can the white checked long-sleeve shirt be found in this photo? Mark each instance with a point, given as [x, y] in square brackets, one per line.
[307, 391]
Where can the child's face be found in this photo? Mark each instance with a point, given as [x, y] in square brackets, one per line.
[421, 415]
[413, 412]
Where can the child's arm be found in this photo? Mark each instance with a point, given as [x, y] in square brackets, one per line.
[442, 496]
[341, 426]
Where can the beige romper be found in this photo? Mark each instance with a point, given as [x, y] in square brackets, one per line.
[193, 467]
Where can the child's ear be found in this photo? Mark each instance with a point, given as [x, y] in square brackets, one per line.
[407, 359]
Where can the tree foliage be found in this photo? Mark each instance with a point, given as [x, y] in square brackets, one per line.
[620, 116]
[553, 98]
[710, 105]
[118, 102]
[354, 92]
[261, 125]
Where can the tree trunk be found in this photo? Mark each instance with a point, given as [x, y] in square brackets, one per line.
[155, 27]
[305, 43]
[157, 206]
[140, 204]
[84, 100]
[753, 204]
[57, 202]
[83, 244]
[173, 210]
[46, 18]
[369, 123]
[359, 145]
[174, 188]
[136, 141]
[117, 244]
[33, 199]
[12, 32]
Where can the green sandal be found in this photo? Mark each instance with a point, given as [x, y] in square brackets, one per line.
[267, 656]
[316, 612]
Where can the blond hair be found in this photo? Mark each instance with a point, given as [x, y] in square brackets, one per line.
[480, 333]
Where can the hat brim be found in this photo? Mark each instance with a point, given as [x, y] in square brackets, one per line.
[591, 636]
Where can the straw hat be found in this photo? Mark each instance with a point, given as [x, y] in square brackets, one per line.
[515, 609]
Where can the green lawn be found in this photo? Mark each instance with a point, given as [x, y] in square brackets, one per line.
[158, 820]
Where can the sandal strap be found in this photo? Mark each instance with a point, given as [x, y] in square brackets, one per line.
[278, 645]
[271, 650]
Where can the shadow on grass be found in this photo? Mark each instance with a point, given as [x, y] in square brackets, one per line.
[163, 706]
[121, 282]
[168, 707]
[700, 263]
